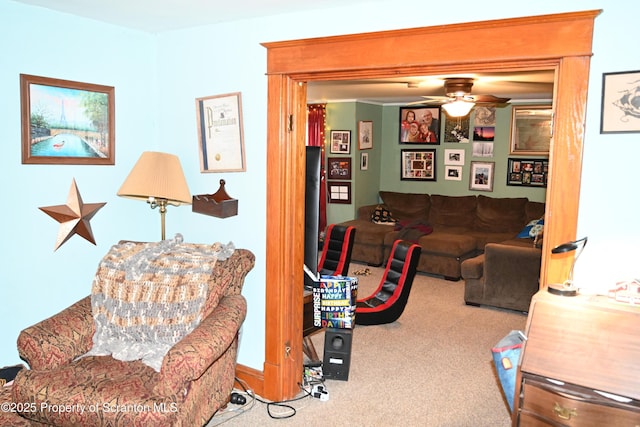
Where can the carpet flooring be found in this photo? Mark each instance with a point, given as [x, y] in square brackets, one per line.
[432, 367]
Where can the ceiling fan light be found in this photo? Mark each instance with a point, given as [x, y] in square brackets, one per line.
[458, 108]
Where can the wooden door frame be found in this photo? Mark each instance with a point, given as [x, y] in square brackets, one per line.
[561, 42]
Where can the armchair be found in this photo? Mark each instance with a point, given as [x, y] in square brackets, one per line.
[194, 377]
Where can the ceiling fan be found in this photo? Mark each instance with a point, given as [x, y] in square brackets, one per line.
[458, 101]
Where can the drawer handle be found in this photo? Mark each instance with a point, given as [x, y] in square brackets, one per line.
[564, 413]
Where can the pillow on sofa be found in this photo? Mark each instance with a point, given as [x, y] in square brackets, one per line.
[382, 215]
[532, 229]
[147, 296]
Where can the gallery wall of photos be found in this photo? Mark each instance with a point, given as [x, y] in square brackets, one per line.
[530, 135]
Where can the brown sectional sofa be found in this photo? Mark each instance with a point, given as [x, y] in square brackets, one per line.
[462, 226]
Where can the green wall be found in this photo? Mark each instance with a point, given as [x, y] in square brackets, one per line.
[383, 171]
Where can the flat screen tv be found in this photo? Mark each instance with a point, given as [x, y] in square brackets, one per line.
[312, 211]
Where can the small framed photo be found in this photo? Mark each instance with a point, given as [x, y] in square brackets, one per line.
[339, 168]
[339, 192]
[365, 134]
[620, 102]
[527, 172]
[340, 142]
[418, 165]
[220, 133]
[456, 129]
[453, 173]
[531, 130]
[454, 157]
[66, 122]
[420, 125]
[481, 178]
[364, 161]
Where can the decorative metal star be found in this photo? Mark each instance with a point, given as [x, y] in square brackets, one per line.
[73, 217]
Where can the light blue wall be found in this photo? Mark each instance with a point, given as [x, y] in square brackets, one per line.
[157, 79]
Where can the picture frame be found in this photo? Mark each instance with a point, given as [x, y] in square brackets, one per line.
[531, 127]
[453, 173]
[525, 172]
[340, 142]
[364, 161]
[456, 129]
[66, 122]
[454, 157]
[339, 192]
[481, 176]
[339, 168]
[418, 165]
[411, 120]
[220, 133]
[365, 135]
[620, 96]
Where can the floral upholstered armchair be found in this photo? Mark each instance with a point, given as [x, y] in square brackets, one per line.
[153, 345]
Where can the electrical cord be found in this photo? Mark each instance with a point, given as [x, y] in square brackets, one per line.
[282, 404]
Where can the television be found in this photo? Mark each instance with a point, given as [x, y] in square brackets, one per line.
[312, 212]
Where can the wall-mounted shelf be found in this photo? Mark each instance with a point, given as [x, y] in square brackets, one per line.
[219, 204]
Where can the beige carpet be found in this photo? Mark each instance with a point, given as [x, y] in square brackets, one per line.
[433, 367]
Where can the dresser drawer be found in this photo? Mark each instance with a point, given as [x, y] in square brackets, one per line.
[546, 404]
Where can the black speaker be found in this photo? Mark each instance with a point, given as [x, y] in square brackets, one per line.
[337, 353]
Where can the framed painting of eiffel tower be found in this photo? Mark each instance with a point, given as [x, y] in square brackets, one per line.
[66, 122]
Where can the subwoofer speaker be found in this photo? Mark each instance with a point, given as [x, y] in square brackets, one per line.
[337, 353]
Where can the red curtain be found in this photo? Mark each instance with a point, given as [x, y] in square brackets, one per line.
[315, 123]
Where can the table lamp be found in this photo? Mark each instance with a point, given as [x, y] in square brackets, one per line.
[158, 179]
[568, 288]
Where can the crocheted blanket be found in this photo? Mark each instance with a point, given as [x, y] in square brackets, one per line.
[147, 296]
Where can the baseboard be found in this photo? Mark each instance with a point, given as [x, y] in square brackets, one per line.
[252, 377]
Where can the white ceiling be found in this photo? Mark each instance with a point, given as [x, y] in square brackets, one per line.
[166, 15]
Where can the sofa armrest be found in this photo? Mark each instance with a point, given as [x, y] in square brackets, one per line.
[365, 212]
[472, 268]
[60, 338]
[192, 356]
[509, 269]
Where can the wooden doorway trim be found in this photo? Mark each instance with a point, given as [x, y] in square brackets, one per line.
[561, 42]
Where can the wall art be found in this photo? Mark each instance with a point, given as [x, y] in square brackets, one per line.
[339, 168]
[339, 192]
[620, 102]
[481, 178]
[419, 125]
[453, 173]
[456, 129]
[365, 135]
[527, 172]
[67, 122]
[531, 129]
[340, 142]
[418, 165]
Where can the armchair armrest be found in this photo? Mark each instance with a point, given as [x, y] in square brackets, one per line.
[192, 356]
[60, 338]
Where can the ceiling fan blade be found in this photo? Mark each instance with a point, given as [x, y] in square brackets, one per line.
[431, 100]
[489, 99]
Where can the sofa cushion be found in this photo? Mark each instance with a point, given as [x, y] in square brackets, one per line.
[406, 205]
[498, 215]
[147, 296]
[533, 210]
[452, 211]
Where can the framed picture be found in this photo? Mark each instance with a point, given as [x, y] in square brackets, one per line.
[340, 142]
[66, 122]
[365, 134]
[453, 173]
[454, 157]
[527, 172]
[339, 168]
[530, 130]
[456, 129]
[364, 161]
[420, 125]
[339, 192]
[418, 165]
[620, 102]
[220, 133]
[481, 178]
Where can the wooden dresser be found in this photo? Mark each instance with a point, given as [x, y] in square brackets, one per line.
[580, 365]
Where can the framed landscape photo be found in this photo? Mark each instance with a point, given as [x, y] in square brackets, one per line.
[530, 130]
[339, 168]
[420, 125]
[418, 165]
[220, 133]
[339, 192]
[340, 142]
[365, 134]
[481, 178]
[620, 102]
[66, 122]
[527, 172]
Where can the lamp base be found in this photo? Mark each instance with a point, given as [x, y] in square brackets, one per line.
[562, 289]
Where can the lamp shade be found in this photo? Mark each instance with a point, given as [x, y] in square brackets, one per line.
[157, 175]
[458, 108]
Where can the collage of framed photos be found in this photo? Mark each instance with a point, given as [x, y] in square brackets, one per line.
[527, 172]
